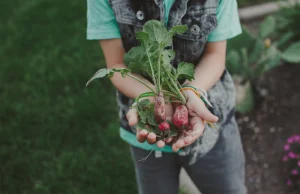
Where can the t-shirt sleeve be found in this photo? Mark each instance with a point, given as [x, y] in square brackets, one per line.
[229, 24]
[101, 21]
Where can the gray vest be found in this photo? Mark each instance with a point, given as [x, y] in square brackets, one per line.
[200, 17]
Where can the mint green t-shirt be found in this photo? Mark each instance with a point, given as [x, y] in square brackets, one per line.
[102, 24]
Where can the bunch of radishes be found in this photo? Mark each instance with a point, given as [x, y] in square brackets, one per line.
[153, 59]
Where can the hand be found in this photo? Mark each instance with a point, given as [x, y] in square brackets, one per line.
[142, 134]
[197, 114]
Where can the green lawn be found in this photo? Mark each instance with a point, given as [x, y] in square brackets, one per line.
[56, 136]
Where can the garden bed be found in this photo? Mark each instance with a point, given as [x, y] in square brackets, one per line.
[265, 130]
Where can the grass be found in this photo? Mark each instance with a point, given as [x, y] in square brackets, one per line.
[56, 136]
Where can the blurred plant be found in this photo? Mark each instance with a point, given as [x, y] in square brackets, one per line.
[291, 161]
[250, 56]
[288, 20]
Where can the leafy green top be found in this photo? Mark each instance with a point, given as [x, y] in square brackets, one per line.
[153, 58]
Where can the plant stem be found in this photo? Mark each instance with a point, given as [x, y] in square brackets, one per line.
[183, 100]
[166, 93]
[141, 81]
[158, 79]
[177, 89]
[152, 71]
[171, 88]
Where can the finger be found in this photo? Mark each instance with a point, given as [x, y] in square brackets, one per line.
[160, 144]
[151, 138]
[188, 139]
[179, 144]
[204, 113]
[198, 127]
[169, 140]
[132, 117]
[141, 135]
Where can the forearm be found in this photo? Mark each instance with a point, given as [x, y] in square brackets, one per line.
[114, 56]
[129, 86]
[210, 68]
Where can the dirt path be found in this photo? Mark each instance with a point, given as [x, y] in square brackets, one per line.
[265, 130]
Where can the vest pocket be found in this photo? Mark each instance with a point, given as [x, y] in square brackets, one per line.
[199, 26]
[136, 13]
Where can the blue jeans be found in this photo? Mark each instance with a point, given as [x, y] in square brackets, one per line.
[220, 171]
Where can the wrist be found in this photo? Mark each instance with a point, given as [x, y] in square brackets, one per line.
[191, 91]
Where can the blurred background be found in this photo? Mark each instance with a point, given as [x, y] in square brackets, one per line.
[59, 137]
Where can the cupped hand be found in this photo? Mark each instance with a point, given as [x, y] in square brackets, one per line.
[198, 113]
[142, 134]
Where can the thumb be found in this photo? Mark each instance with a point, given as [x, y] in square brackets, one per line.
[202, 111]
[132, 117]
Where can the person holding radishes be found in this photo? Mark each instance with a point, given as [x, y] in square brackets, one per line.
[166, 59]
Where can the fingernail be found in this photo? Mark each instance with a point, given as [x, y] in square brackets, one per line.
[143, 132]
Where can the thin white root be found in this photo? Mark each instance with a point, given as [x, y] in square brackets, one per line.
[144, 159]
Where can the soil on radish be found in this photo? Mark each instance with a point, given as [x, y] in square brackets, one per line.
[180, 117]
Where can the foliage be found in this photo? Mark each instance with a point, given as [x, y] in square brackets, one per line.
[288, 21]
[245, 92]
[52, 141]
[291, 54]
[250, 56]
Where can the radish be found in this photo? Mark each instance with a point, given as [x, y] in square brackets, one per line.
[164, 126]
[160, 108]
[180, 117]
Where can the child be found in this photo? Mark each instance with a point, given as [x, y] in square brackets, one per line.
[214, 160]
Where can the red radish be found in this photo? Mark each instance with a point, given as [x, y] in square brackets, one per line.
[180, 117]
[164, 126]
[160, 108]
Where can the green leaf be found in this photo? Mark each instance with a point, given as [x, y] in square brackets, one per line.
[123, 71]
[156, 31]
[246, 103]
[247, 71]
[137, 60]
[149, 128]
[153, 49]
[99, 74]
[178, 29]
[167, 57]
[257, 51]
[233, 62]
[143, 37]
[173, 130]
[185, 71]
[108, 73]
[273, 62]
[285, 38]
[270, 60]
[243, 40]
[146, 112]
[292, 53]
[267, 27]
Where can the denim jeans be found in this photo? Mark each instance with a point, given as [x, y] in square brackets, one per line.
[220, 171]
